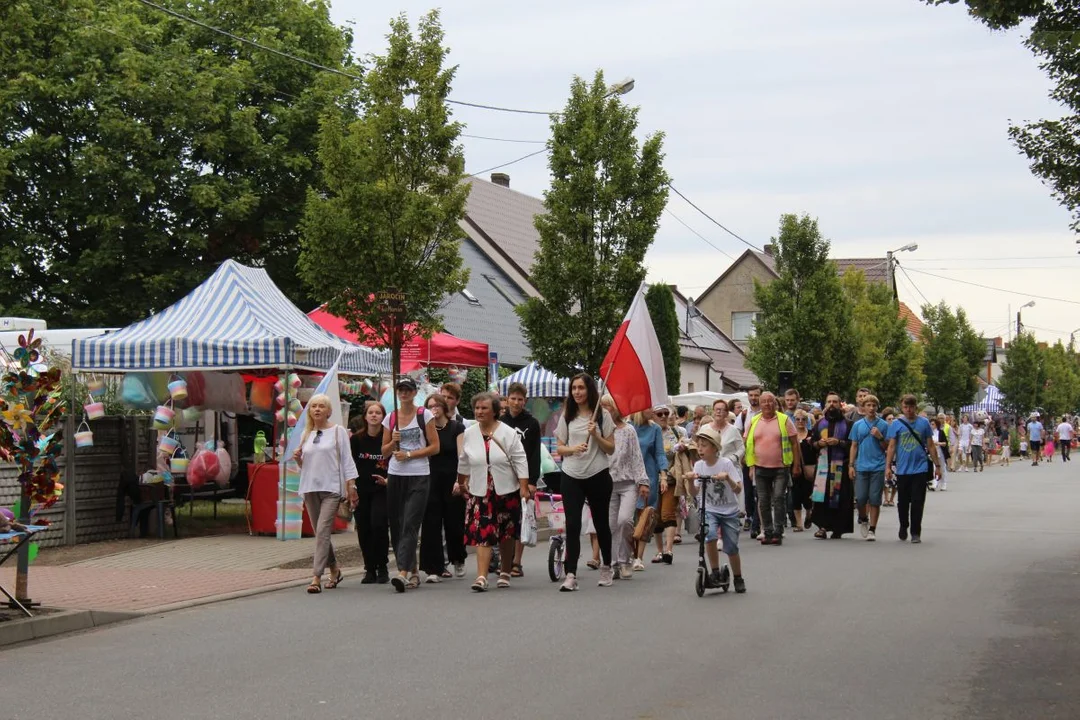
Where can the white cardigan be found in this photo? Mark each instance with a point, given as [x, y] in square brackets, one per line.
[473, 460]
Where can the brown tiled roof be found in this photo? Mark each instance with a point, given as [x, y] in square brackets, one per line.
[506, 216]
[875, 269]
[914, 324]
[767, 260]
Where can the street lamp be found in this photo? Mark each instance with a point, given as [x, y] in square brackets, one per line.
[890, 262]
[1019, 325]
[621, 88]
[1072, 338]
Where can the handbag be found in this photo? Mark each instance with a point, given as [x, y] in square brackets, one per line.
[344, 508]
[528, 523]
[646, 521]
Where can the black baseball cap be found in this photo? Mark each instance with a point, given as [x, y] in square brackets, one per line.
[406, 383]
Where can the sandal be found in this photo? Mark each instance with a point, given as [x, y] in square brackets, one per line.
[314, 588]
[516, 570]
[334, 581]
[820, 534]
[413, 582]
[668, 558]
[796, 528]
[678, 539]
[503, 581]
[480, 584]
[658, 558]
[594, 564]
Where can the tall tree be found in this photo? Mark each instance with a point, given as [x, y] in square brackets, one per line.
[661, 303]
[806, 319]
[1051, 146]
[954, 355]
[393, 194]
[603, 209]
[886, 358]
[1023, 375]
[1061, 390]
[138, 151]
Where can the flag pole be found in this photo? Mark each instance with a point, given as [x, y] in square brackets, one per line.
[615, 356]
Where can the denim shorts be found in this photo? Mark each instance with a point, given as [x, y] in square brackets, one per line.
[868, 487]
[729, 527]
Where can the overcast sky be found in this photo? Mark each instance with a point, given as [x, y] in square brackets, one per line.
[886, 120]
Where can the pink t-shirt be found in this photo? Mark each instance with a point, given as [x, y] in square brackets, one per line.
[768, 450]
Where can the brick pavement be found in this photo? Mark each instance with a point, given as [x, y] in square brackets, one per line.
[167, 573]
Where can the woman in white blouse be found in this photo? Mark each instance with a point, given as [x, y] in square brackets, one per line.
[327, 474]
[494, 470]
[628, 481]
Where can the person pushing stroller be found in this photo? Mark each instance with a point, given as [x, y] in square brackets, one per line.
[720, 502]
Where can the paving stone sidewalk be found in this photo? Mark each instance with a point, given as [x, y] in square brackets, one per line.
[167, 574]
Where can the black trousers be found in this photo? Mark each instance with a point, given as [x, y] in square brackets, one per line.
[444, 513]
[596, 490]
[911, 496]
[406, 499]
[372, 529]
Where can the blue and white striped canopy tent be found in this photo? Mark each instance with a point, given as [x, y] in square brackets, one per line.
[237, 319]
[990, 402]
[538, 382]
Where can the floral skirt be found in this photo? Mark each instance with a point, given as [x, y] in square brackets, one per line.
[492, 519]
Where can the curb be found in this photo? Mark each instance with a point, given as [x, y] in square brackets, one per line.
[67, 621]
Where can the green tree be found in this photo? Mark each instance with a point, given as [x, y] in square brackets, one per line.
[386, 217]
[1051, 146]
[954, 355]
[661, 304]
[806, 321]
[1023, 375]
[886, 358]
[138, 151]
[603, 209]
[1061, 389]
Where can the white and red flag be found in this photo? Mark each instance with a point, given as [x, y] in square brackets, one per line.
[633, 369]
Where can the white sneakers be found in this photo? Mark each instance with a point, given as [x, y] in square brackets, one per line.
[638, 565]
[606, 576]
[626, 571]
[569, 584]
[864, 527]
[870, 536]
[459, 570]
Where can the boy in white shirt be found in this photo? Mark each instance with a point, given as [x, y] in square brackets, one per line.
[721, 503]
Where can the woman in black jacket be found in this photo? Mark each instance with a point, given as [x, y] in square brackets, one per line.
[445, 511]
[372, 521]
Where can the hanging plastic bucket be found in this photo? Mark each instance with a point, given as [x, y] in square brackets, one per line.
[178, 465]
[94, 410]
[168, 445]
[164, 417]
[178, 389]
[96, 387]
[84, 438]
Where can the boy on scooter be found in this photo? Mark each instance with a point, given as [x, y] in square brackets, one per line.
[720, 502]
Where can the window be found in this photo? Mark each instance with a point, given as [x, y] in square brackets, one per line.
[742, 325]
[689, 387]
[470, 297]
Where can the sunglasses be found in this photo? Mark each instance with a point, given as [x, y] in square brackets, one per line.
[318, 437]
[662, 413]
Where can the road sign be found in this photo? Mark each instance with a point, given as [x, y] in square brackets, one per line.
[393, 301]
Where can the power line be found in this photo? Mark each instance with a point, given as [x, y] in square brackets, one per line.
[505, 164]
[312, 63]
[1010, 268]
[713, 220]
[988, 287]
[707, 241]
[913, 284]
[484, 137]
[1037, 257]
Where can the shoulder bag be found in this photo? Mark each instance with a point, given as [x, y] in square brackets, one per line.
[344, 508]
[918, 440]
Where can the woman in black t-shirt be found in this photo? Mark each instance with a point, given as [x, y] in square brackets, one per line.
[372, 521]
[445, 511]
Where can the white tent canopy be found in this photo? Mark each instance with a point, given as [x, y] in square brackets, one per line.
[708, 398]
[237, 319]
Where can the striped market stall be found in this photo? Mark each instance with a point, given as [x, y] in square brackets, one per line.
[538, 382]
[990, 402]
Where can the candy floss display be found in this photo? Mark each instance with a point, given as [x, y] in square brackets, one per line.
[290, 505]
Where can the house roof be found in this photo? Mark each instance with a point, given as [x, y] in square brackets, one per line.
[500, 221]
[913, 322]
[767, 262]
[698, 331]
[875, 269]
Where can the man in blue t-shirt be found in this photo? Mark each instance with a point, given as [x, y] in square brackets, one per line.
[867, 466]
[910, 440]
[1035, 438]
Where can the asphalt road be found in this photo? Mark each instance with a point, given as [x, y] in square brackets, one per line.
[980, 621]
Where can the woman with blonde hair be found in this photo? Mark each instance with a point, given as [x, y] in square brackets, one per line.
[327, 474]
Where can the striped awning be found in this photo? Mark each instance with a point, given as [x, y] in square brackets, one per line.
[237, 319]
[538, 382]
[990, 402]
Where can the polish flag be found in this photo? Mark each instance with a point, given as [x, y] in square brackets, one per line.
[633, 369]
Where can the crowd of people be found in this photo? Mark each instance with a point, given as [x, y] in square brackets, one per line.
[422, 476]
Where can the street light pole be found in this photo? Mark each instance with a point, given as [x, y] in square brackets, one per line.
[890, 266]
[1019, 325]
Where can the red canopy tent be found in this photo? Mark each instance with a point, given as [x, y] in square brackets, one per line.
[442, 350]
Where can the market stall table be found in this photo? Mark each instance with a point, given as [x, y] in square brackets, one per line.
[15, 538]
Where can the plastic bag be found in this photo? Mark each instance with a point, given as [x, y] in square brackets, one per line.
[528, 523]
[224, 392]
[547, 463]
[137, 392]
[202, 468]
[224, 473]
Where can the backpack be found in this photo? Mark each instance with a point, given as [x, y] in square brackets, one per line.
[421, 422]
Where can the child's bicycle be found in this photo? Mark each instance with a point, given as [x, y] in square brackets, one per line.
[556, 517]
[704, 581]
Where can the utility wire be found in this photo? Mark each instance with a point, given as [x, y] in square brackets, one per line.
[312, 63]
[988, 287]
[713, 220]
[913, 284]
[484, 137]
[505, 164]
[707, 241]
[971, 259]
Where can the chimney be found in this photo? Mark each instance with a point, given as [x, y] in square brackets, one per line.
[500, 179]
[769, 248]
